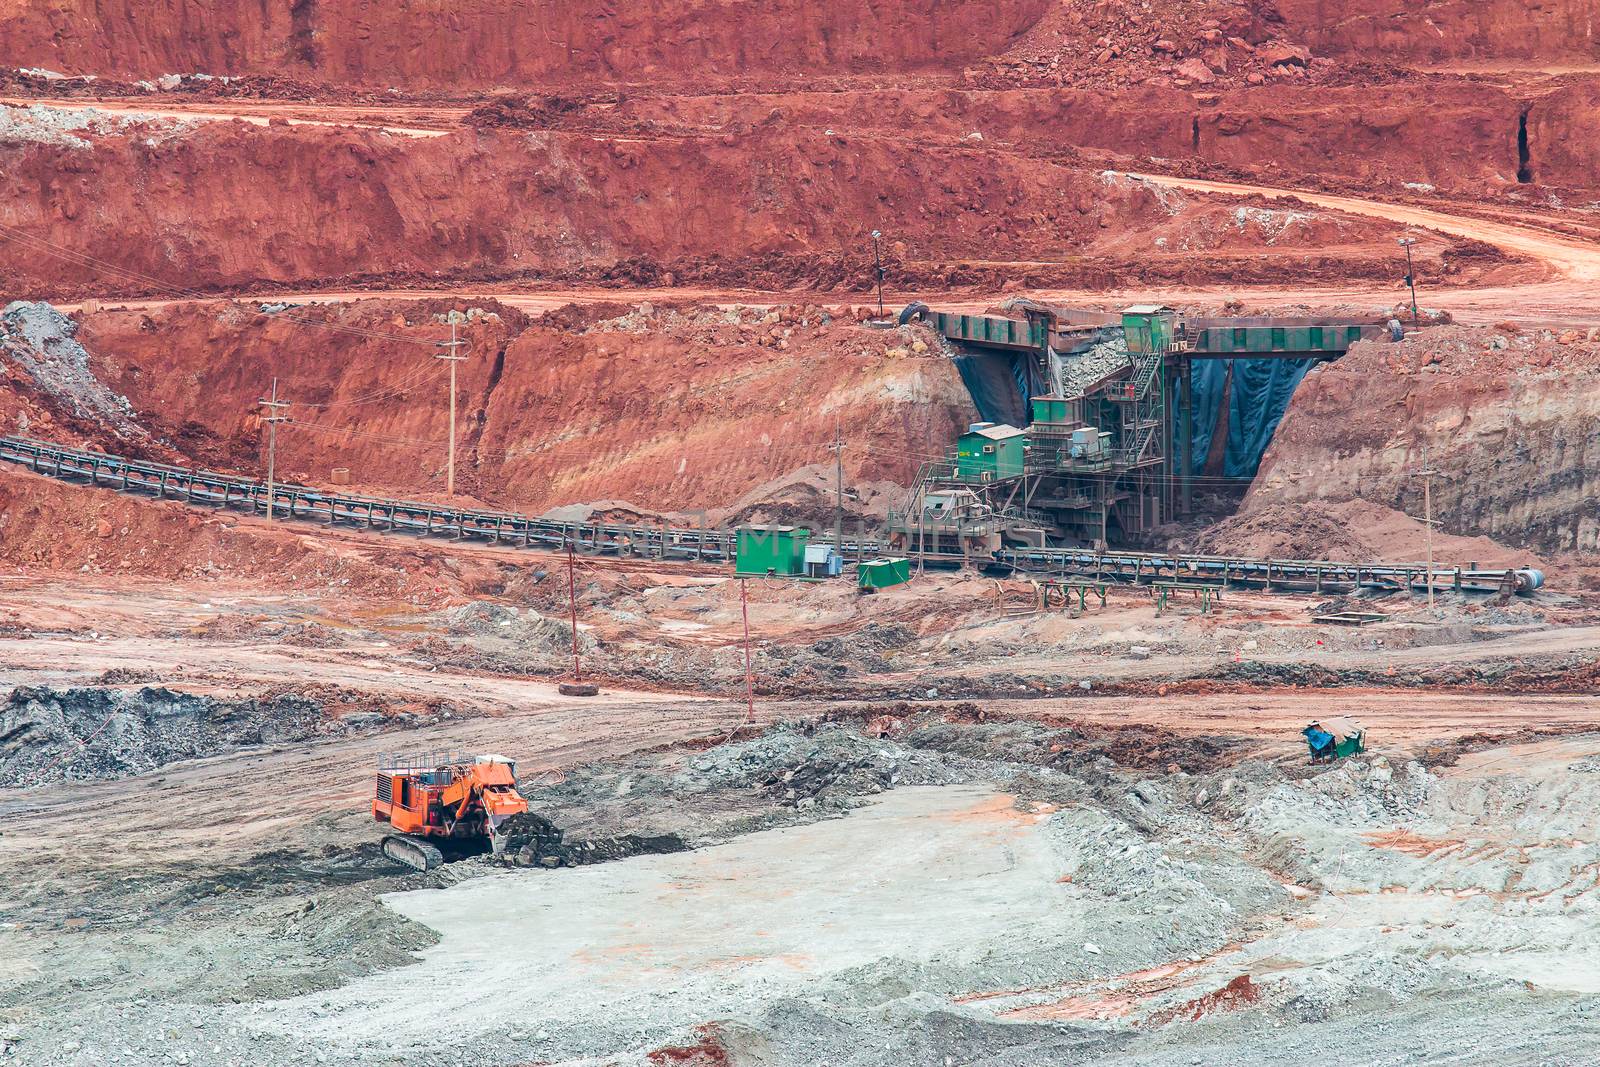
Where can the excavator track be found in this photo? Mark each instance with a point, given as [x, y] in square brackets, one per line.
[414, 852]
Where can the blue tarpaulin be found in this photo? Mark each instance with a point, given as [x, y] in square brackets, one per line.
[998, 383]
[1257, 394]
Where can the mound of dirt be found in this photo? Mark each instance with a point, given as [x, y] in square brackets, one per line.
[51, 735]
[797, 766]
[534, 841]
[529, 629]
[1286, 531]
[52, 526]
[664, 410]
[1356, 531]
[808, 497]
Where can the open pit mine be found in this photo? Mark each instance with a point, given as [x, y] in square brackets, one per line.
[891, 534]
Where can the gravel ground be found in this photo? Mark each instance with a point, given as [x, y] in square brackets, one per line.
[895, 887]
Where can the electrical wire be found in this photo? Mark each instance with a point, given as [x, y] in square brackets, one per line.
[395, 389]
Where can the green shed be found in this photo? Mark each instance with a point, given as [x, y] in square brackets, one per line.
[779, 551]
[1149, 328]
[875, 574]
[988, 453]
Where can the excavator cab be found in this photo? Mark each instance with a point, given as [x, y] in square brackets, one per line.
[443, 805]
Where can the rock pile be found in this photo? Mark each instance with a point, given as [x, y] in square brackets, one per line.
[531, 840]
[40, 340]
[51, 735]
[1081, 371]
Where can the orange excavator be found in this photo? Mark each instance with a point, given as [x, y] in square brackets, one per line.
[444, 805]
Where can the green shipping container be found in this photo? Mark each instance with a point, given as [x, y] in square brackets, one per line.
[883, 573]
[779, 551]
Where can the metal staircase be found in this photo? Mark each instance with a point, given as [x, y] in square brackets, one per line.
[1144, 407]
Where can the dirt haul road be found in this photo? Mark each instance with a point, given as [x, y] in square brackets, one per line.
[403, 121]
[1574, 259]
[192, 811]
[1569, 299]
[77, 662]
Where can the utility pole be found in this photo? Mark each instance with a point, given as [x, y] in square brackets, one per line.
[572, 598]
[1411, 280]
[838, 488]
[271, 414]
[877, 259]
[1426, 473]
[454, 357]
[922, 512]
[749, 678]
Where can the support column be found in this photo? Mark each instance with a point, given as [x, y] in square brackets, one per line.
[1186, 434]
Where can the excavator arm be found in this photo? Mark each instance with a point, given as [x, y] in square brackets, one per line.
[490, 788]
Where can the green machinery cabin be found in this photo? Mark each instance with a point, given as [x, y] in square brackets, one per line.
[1149, 328]
[875, 574]
[990, 453]
[1058, 410]
[778, 551]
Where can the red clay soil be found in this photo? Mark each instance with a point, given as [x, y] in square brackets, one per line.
[47, 526]
[1487, 30]
[1505, 417]
[1355, 530]
[666, 411]
[707, 1051]
[1465, 139]
[228, 205]
[483, 45]
[1241, 992]
[486, 44]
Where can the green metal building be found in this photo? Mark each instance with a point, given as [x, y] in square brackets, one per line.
[990, 453]
[778, 551]
[1149, 328]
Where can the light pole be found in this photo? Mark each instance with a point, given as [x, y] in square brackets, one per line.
[877, 259]
[1411, 280]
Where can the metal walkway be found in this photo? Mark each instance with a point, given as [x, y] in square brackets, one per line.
[680, 543]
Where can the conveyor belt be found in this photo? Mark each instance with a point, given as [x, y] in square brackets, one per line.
[688, 543]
